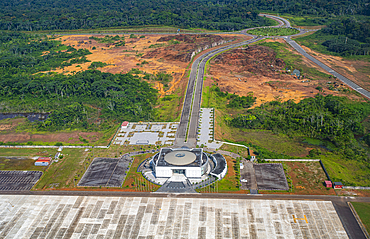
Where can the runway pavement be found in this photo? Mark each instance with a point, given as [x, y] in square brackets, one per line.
[340, 203]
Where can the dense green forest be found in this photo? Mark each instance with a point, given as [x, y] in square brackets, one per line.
[70, 98]
[336, 121]
[214, 14]
[352, 37]
[346, 36]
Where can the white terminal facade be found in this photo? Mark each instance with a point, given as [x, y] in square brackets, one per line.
[193, 163]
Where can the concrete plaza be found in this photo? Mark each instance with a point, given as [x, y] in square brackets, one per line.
[142, 217]
[144, 133]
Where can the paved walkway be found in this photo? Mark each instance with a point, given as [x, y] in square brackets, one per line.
[248, 173]
[178, 183]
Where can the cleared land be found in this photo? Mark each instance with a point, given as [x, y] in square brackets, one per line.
[148, 53]
[307, 178]
[357, 68]
[133, 217]
[261, 69]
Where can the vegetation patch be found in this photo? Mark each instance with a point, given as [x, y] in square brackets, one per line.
[134, 180]
[270, 31]
[231, 180]
[66, 172]
[307, 178]
[97, 64]
[363, 211]
[115, 40]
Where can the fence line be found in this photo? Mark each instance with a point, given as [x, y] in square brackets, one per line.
[352, 187]
[294, 160]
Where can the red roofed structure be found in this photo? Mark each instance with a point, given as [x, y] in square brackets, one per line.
[328, 184]
[124, 124]
[43, 161]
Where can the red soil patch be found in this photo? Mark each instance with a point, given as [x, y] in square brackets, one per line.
[158, 52]
[70, 137]
[256, 69]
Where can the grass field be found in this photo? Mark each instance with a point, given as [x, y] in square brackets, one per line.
[24, 164]
[63, 173]
[167, 105]
[242, 151]
[273, 31]
[230, 181]
[135, 181]
[363, 211]
[342, 170]
[276, 143]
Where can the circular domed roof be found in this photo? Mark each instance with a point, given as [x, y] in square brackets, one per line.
[180, 157]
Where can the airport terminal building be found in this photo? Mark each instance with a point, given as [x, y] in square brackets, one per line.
[193, 163]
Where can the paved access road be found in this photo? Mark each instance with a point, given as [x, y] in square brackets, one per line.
[345, 80]
[189, 122]
[298, 48]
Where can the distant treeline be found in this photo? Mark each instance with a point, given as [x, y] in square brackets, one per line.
[350, 27]
[74, 100]
[213, 14]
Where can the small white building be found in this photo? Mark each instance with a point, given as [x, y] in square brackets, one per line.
[124, 125]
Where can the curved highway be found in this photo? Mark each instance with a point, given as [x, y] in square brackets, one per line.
[329, 70]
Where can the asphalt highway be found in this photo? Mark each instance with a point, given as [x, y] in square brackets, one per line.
[345, 80]
[189, 122]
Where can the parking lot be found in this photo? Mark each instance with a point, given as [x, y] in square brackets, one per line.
[107, 172]
[270, 176]
[18, 180]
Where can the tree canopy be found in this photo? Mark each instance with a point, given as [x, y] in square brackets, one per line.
[214, 14]
[69, 98]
